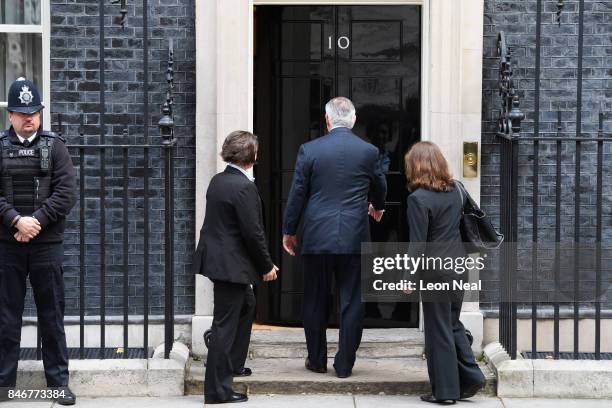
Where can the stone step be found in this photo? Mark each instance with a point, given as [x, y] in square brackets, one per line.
[375, 343]
[390, 376]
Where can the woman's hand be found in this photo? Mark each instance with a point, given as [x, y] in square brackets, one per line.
[270, 276]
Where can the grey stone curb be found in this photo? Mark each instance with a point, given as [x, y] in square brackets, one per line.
[548, 378]
[154, 377]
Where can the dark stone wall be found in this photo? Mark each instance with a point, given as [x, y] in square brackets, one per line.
[75, 90]
[75, 86]
[559, 82]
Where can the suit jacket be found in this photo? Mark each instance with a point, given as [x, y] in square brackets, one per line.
[333, 176]
[433, 226]
[232, 244]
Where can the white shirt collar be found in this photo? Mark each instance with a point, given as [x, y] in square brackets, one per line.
[339, 126]
[30, 139]
[243, 171]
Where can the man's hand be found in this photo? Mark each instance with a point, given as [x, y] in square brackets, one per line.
[376, 214]
[20, 237]
[270, 276]
[289, 243]
[28, 227]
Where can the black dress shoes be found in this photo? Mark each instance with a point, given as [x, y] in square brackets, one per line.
[320, 370]
[344, 375]
[235, 397]
[66, 396]
[341, 374]
[471, 391]
[243, 372]
[431, 398]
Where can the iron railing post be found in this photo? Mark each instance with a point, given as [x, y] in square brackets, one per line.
[166, 125]
[508, 131]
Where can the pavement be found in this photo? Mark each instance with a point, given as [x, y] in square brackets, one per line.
[319, 401]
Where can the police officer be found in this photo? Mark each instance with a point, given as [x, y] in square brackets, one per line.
[37, 190]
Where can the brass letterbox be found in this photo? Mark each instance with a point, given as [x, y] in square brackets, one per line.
[470, 159]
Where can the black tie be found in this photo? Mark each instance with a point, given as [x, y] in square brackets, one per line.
[26, 143]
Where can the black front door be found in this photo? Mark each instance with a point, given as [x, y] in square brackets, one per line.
[305, 55]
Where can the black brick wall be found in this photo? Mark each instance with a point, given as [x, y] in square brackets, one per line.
[559, 62]
[75, 86]
[75, 89]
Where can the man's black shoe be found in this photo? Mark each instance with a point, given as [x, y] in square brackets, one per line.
[344, 375]
[66, 396]
[431, 398]
[471, 391]
[320, 370]
[235, 397]
[244, 372]
[341, 374]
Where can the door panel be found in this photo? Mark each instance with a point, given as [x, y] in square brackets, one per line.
[305, 55]
[306, 41]
[375, 41]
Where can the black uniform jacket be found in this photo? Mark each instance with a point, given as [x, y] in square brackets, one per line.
[53, 211]
[232, 246]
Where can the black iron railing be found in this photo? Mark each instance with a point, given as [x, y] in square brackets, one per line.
[554, 231]
[82, 154]
[550, 169]
[132, 165]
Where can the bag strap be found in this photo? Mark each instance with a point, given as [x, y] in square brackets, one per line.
[460, 189]
[469, 203]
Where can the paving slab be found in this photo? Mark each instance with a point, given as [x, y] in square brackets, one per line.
[556, 403]
[319, 401]
[27, 404]
[299, 401]
[409, 401]
[257, 401]
[138, 402]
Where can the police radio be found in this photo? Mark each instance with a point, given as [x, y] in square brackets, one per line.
[44, 158]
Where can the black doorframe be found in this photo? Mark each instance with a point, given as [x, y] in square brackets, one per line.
[280, 302]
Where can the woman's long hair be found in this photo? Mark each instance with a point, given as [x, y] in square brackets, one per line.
[427, 168]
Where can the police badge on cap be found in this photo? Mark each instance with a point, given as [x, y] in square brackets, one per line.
[23, 97]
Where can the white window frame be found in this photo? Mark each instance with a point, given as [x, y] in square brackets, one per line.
[45, 30]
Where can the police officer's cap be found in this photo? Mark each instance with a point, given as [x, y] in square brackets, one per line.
[24, 97]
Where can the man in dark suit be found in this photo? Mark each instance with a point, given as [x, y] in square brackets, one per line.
[233, 253]
[333, 176]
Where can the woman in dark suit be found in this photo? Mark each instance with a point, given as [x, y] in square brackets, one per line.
[233, 253]
[434, 212]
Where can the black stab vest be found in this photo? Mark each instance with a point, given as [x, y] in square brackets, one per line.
[26, 172]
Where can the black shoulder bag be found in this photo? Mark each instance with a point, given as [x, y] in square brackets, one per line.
[477, 231]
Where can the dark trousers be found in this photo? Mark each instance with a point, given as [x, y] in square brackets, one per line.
[43, 263]
[450, 361]
[318, 272]
[231, 334]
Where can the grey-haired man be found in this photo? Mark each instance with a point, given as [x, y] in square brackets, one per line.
[334, 175]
